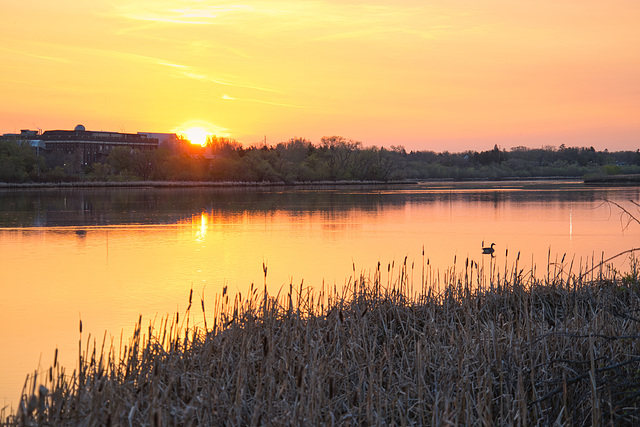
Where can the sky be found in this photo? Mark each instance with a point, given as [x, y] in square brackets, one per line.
[427, 75]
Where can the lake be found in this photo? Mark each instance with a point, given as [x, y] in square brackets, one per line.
[108, 255]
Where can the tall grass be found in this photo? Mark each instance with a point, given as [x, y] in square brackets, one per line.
[477, 345]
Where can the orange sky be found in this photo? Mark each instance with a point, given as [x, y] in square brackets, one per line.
[454, 74]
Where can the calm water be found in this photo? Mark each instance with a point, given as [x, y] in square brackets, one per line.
[109, 255]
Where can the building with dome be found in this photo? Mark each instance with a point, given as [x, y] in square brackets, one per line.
[91, 146]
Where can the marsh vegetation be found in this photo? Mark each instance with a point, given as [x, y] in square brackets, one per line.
[401, 344]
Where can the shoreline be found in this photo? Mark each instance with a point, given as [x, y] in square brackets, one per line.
[264, 184]
[613, 179]
[182, 184]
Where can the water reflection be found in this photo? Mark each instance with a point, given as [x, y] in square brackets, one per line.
[108, 206]
[201, 230]
[570, 223]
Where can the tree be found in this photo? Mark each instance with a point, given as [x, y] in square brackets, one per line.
[18, 162]
[221, 146]
[338, 153]
[120, 160]
[100, 171]
[149, 164]
[145, 164]
[257, 168]
[489, 157]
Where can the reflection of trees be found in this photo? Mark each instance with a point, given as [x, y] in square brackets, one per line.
[111, 206]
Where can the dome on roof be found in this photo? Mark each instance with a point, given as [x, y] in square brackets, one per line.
[79, 128]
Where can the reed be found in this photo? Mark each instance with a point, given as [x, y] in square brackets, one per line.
[481, 347]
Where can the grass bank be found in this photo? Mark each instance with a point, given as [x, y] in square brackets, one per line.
[183, 184]
[628, 179]
[494, 345]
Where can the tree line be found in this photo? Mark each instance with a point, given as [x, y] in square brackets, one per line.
[334, 158]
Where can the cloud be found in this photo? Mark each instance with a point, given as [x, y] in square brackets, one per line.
[260, 101]
[206, 78]
[184, 71]
[189, 72]
[328, 19]
[35, 55]
[178, 12]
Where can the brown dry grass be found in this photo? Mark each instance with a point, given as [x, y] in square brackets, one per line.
[510, 349]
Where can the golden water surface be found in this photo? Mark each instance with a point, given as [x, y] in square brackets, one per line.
[106, 256]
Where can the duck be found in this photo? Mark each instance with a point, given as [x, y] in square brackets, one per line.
[489, 250]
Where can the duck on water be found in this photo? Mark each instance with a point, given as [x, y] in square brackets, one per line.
[489, 250]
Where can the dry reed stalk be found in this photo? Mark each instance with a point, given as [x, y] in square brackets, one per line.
[507, 349]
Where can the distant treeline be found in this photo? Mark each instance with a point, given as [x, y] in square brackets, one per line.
[299, 160]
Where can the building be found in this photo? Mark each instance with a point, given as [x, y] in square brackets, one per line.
[24, 134]
[91, 146]
[79, 148]
[165, 140]
[31, 137]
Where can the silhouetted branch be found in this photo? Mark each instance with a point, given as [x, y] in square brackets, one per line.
[607, 260]
[625, 212]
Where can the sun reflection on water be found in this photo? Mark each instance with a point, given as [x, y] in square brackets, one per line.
[201, 229]
[570, 224]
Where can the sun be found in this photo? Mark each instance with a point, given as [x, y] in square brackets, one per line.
[197, 131]
[196, 135]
